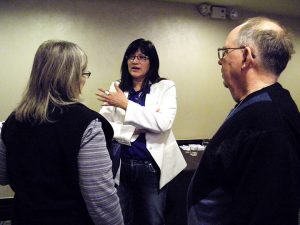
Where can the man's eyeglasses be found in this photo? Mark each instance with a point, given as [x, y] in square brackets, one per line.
[222, 52]
[86, 74]
[141, 58]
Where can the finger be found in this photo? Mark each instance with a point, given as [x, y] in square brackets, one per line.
[101, 90]
[102, 99]
[104, 103]
[117, 87]
[102, 95]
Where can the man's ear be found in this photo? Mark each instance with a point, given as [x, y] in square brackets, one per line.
[248, 57]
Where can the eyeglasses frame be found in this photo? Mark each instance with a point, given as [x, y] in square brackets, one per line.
[138, 57]
[86, 74]
[221, 56]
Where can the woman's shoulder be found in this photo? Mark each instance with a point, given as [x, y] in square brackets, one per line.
[78, 111]
[165, 83]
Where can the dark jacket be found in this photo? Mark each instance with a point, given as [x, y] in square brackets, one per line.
[250, 171]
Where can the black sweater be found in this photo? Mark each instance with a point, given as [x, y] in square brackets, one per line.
[42, 167]
[251, 167]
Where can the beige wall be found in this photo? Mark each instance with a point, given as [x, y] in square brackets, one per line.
[186, 43]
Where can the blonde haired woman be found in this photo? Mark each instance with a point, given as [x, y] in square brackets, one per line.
[53, 150]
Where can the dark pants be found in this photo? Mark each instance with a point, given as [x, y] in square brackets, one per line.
[141, 200]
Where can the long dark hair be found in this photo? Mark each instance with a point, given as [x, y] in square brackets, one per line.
[152, 76]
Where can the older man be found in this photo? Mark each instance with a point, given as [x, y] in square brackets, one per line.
[250, 171]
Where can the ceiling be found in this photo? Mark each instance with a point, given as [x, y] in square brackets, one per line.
[279, 7]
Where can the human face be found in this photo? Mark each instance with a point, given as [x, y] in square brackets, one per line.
[232, 65]
[138, 66]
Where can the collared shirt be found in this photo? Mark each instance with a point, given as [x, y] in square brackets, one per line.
[138, 149]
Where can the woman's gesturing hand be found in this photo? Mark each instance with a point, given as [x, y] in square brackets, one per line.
[117, 99]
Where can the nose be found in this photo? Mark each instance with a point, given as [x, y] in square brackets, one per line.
[220, 62]
[135, 60]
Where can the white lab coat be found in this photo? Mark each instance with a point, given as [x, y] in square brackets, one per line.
[156, 118]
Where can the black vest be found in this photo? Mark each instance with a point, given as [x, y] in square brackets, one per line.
[42, 167]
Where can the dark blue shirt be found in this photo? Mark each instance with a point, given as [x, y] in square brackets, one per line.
[138, 149]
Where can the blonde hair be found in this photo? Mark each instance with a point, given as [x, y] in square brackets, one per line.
[54, 80]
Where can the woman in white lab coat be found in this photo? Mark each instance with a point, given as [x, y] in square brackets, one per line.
[141, 107]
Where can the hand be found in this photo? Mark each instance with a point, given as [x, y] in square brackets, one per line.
[117, 99]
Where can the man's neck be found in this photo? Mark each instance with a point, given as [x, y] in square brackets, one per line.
[257, 84]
